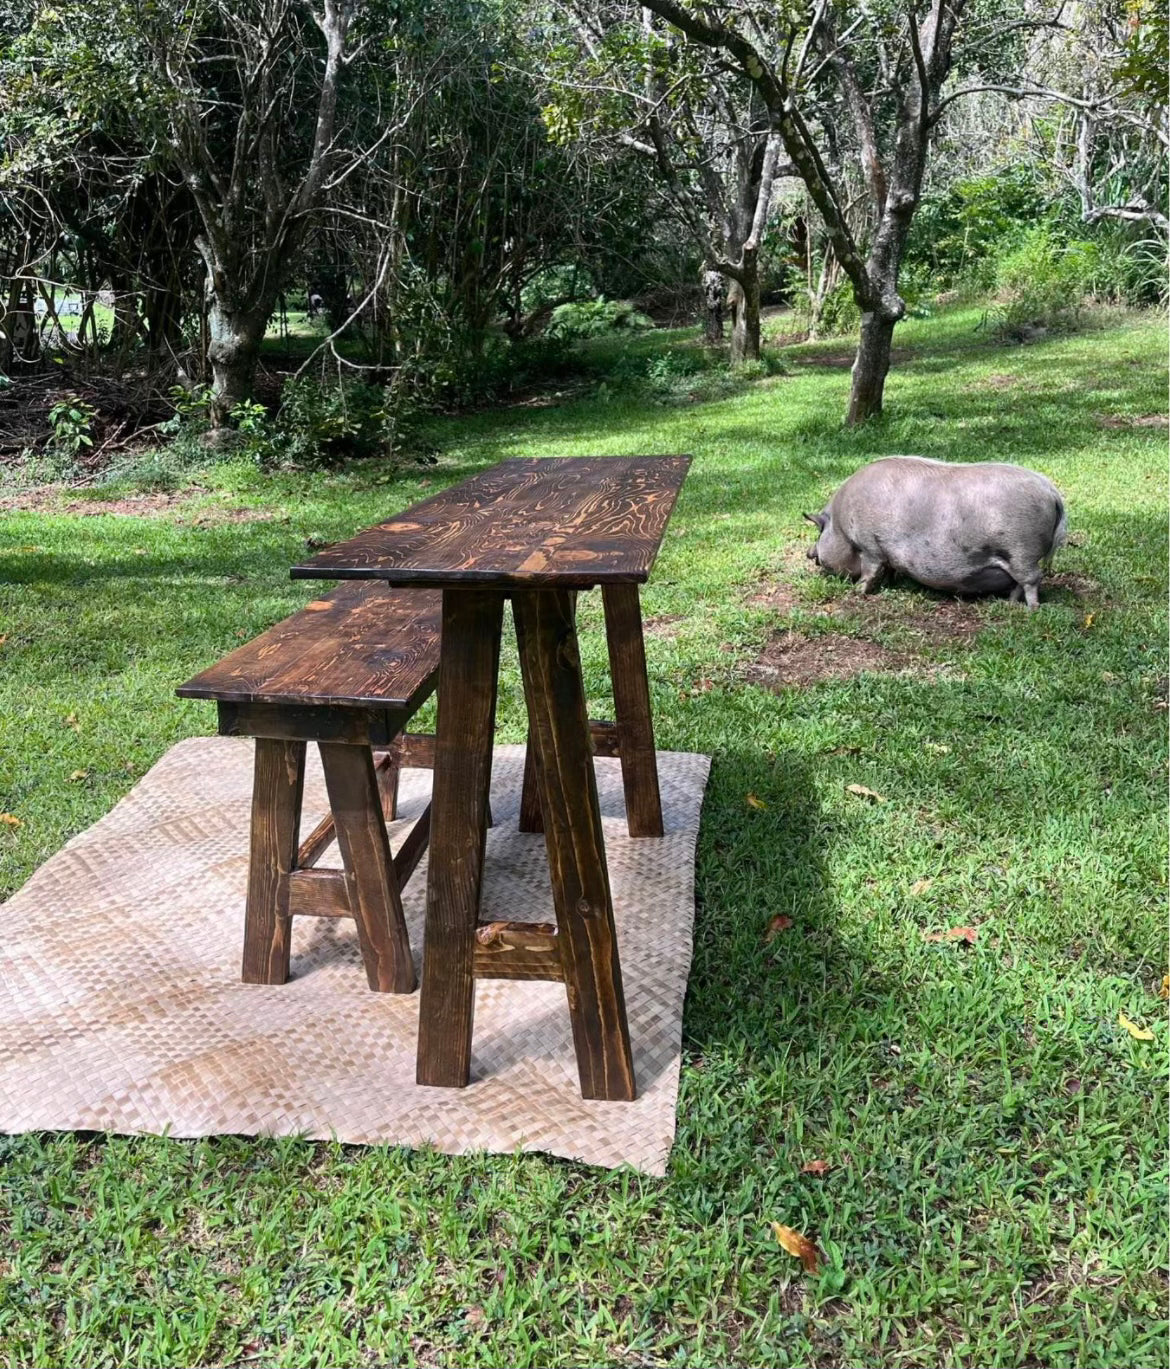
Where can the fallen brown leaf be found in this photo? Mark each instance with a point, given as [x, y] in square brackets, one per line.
[71, 721]
[753, 802]
[9, 820]
[816, 1167]
[1138, 1033]
[1089, 619]
[920, 886]
[967, 934]
[778, 924]
[864, 793]
[475, 1316]
[1164, 991]
[798, 1245]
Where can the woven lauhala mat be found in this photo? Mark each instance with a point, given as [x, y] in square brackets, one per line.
[121, 1006]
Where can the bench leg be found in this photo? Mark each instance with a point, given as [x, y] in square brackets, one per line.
[631, 701]
[558, 723]
[531, 818]
[374, 896]
[276, 818]
[468, 669]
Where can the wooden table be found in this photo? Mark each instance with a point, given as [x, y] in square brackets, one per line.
[535, 531]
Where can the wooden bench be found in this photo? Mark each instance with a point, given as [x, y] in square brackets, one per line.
[347, 672]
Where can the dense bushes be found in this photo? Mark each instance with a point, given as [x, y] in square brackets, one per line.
[1006, 234]
[592, 318]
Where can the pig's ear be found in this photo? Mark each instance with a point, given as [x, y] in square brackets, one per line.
[818, 519]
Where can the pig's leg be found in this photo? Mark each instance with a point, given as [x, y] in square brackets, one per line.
[871, 576]
[1027, 580]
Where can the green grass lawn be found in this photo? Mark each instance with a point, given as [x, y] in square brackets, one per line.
[996, 1139]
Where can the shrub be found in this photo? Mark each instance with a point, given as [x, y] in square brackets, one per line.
[592, 318]
[839, 312]
[1043, 283]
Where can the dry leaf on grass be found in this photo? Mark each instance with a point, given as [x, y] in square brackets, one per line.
[817, 1167]
[1138, 1033]
[862, 792]
[798, 1245]
[78, 775]
[967, 934]
[1089, 619]
[8, 820]
[778, 924]
[1164, 991]
[753, 802]
[71, 721]
[920, 886]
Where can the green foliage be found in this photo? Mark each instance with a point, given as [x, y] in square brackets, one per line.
[957, 233]
[1044, 282]
[1145, 63]
[70, 421]
[591, 318]
[839, 313]
[319, 423]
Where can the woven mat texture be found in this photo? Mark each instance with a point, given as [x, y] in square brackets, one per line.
[121, 1007]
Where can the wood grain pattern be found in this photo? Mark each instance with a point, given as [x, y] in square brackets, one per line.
[631, 702]
[370, 877]
[565, 521]
[318, 893]
[277, 787]
[558, 724]
[517, 950]
[361, 644]
[469, 667]
[413, 848]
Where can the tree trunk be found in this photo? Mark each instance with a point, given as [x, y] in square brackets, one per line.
[744, 299]
[712, 308]
[233, 350]
[870, 367]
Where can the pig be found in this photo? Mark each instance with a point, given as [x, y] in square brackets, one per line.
[972, 528]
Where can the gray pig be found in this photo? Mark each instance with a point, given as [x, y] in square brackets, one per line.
[974, 528]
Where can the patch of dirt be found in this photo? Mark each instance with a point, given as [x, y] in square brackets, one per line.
[52, 499]
[898, 356]
[791, 660]
[780, 598]
[996, 382]
[1131, 421]
[788, 339]
[1079, 585]
[662, 625]
[938, 622]
[214, 517]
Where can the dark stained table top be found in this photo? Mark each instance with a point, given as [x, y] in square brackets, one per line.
[568, 522]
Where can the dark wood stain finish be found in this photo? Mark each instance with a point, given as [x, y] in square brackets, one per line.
[566, 522]
[361, 644]
[369, 870]
[631, 702]
[469, 666]
[559, 727]
[279, 779]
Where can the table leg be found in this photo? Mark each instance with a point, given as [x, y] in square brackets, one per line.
[277, 787]
[559, 726]
[374, 896]
[631, 701]
[468, 669]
